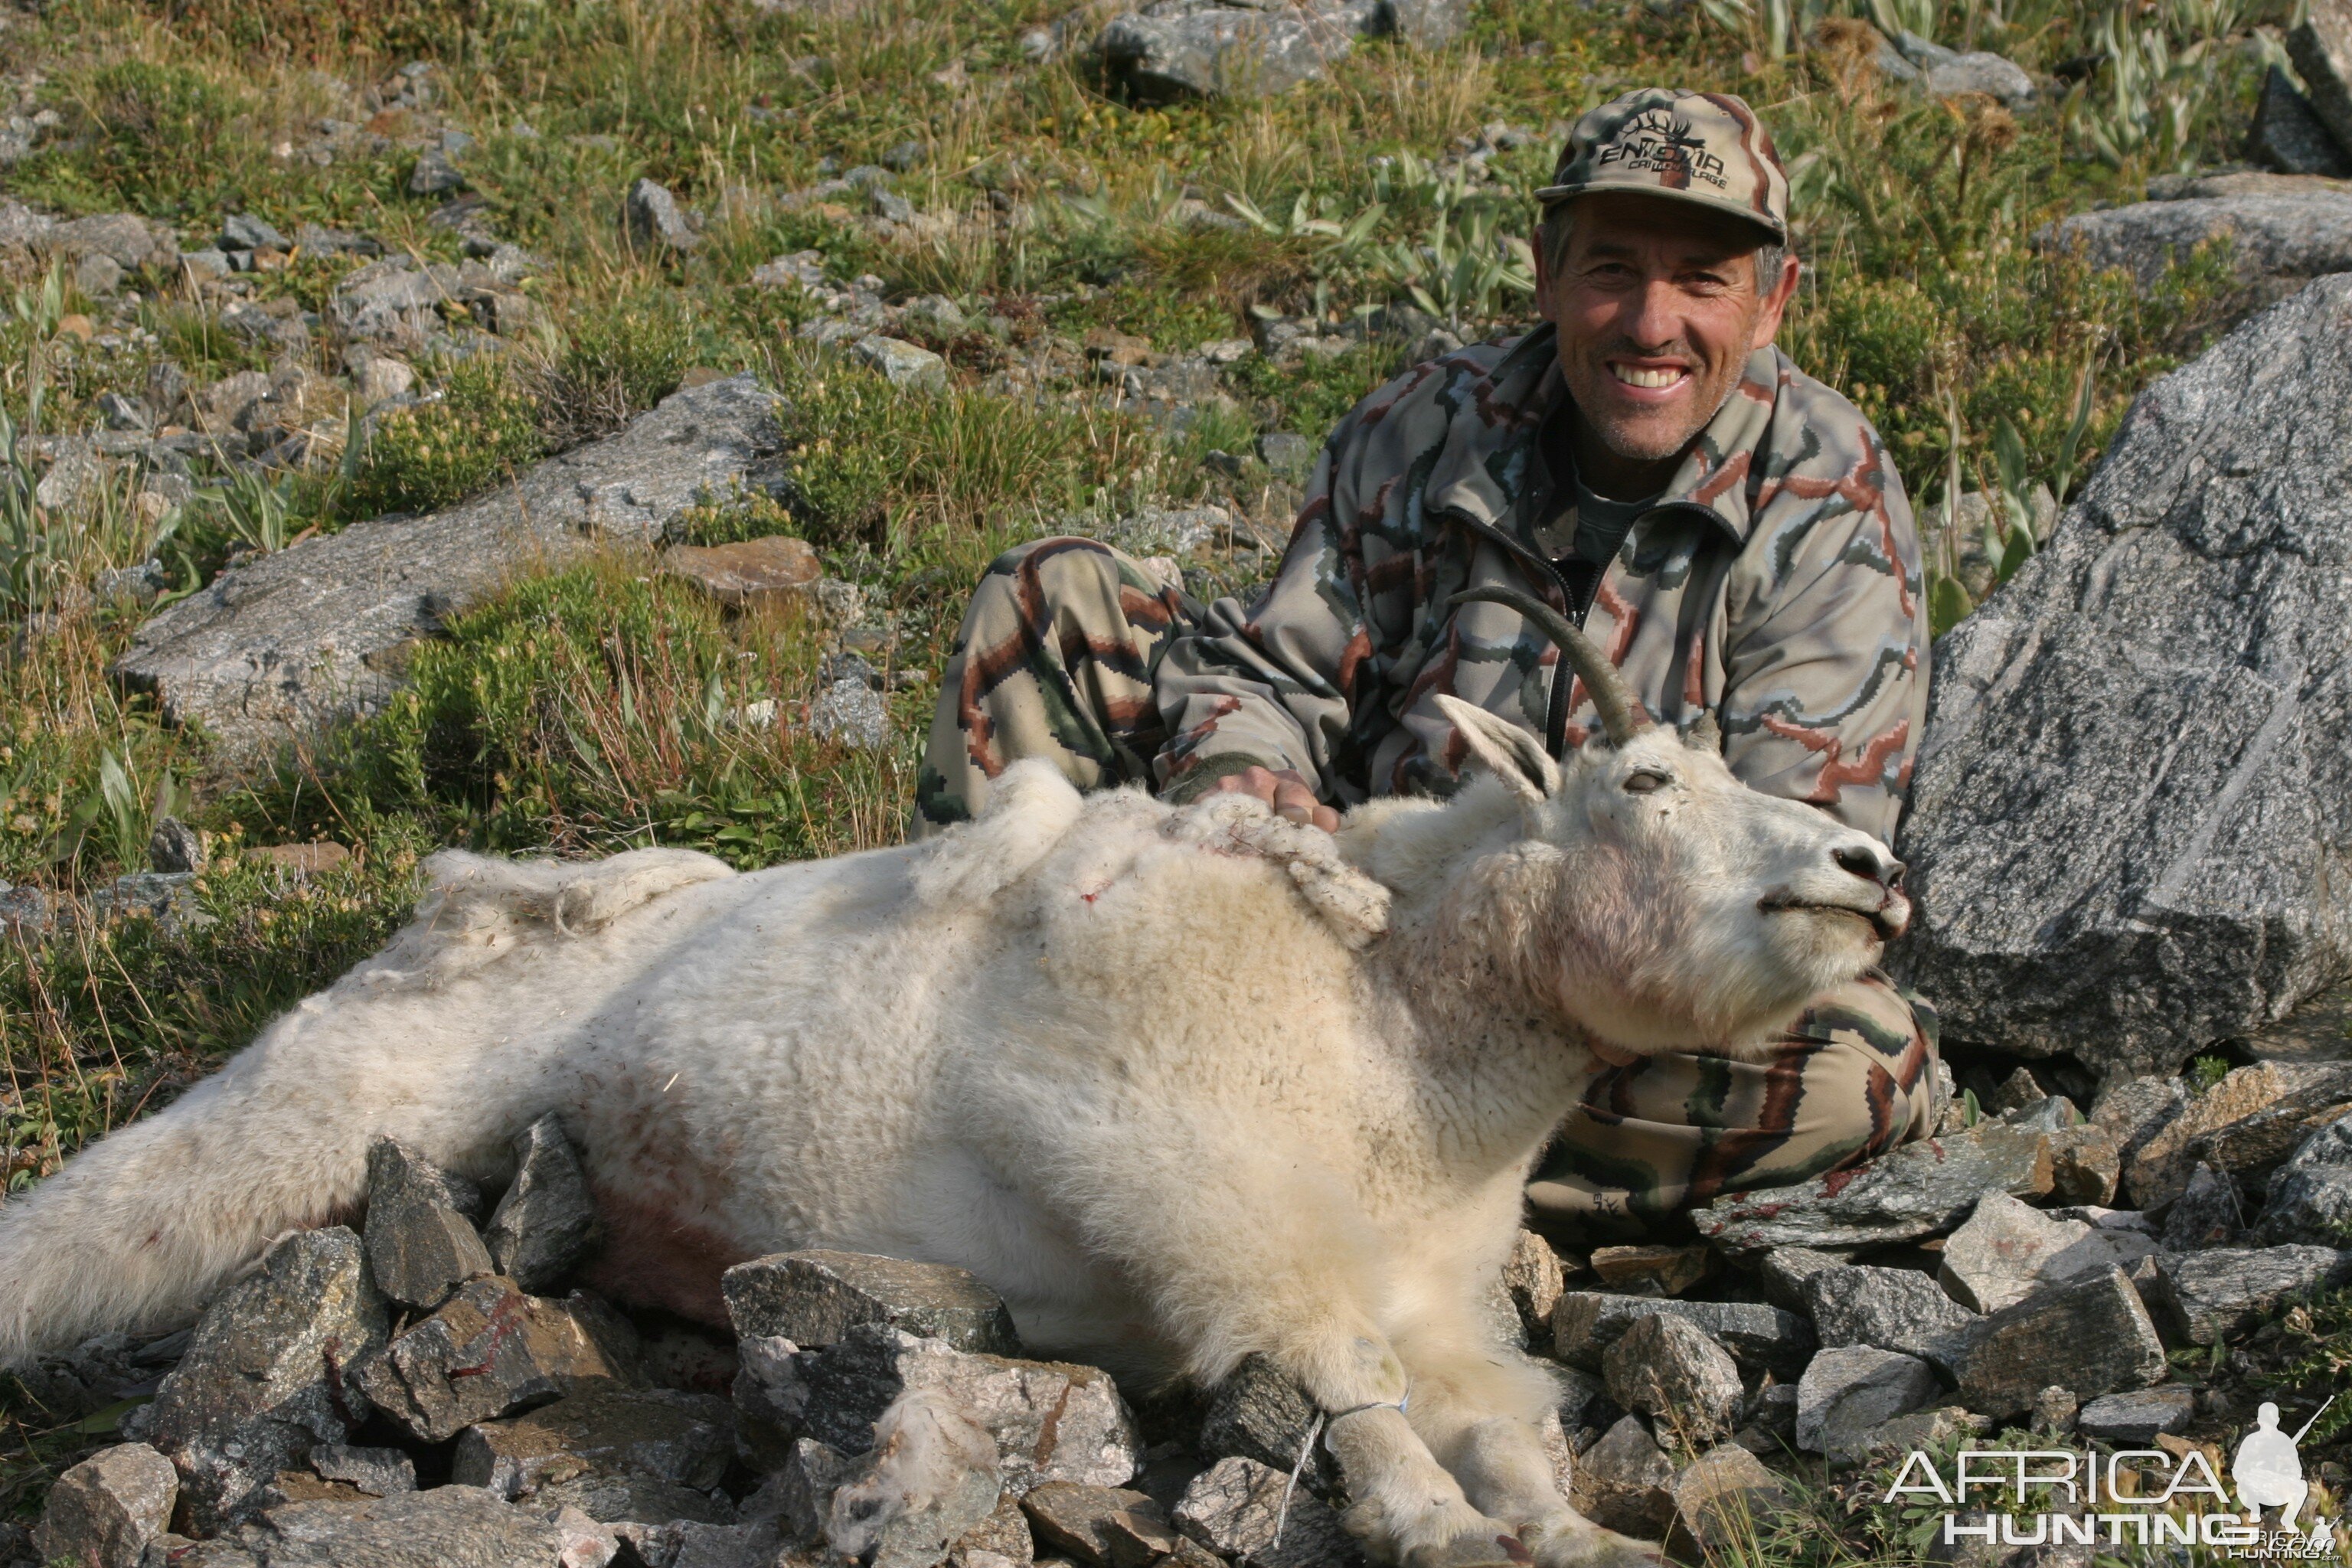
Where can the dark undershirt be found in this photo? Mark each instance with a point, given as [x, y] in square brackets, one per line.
[1602, 522]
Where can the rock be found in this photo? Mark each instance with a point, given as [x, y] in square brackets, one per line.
[1941, 1428]
[1891, 1309]
[1532, 1279]
[2283, 240]
[378, 378]
[1652, 1270]
[2205, 1215]
[1625, 1482]
[1232, 1509]
[1259, 1412]
[420, 1245]
[489, 1352]
[1770, 1425]
[102, 1512]
[902, 364]
[2288, 134]
[1920, 1189]
[1004, 1538]
[1053, 1421]
[379, 1472]
[297, 860]
[2007, 1251]
[1847, 1391]
[930, 1477]
[545, 1226]
[2092, 1335]
[2310, 1196]
[313, 633]
[814, 1298]
[1783, 1271]
[174, 847]
[653, 218]
[128, 240]
[447, 1527]
[2321, 49]
[850, 713]
[2055, 1410]
[1947, 73]
[434, 175]
[1179, 49]
[2246, 1125]
[1671, 1369]
[1585, 1323]
[2086, 1165]
[1103, 1527]
[777, 570]
[1720, 1500]
[2079, 887]
[263, 1380]
[2134, 1420]
[659, 1434]
[1287, 455]
[2206, 1297]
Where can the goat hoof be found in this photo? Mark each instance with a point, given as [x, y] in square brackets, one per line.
[1474, 1549]
[1593, 1547]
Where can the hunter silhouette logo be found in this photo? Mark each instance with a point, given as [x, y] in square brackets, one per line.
[1659, 142]
[2268, 1472]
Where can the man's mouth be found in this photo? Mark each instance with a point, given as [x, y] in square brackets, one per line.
[1649, 378]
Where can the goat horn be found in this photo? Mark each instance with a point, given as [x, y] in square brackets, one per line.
[1611, 698]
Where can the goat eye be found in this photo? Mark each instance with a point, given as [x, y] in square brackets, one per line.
[1645, 782]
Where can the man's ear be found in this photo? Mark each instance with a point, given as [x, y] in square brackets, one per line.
[1504, 750]
[1775, 302]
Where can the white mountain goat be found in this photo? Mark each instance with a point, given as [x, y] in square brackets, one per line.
[1180, 1083]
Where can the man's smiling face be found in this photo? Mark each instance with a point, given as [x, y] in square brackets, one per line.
[1658, 306]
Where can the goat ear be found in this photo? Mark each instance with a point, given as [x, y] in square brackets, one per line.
[1508, 751]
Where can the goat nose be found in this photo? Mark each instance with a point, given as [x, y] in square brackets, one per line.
[1869, 863]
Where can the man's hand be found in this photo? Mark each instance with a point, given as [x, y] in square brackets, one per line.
[1287, 792]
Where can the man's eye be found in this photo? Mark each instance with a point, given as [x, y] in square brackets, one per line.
[1645, 782]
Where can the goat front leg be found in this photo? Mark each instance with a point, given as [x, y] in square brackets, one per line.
[1476, 1407]
[1237, 1246]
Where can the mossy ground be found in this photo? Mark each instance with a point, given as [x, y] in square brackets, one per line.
[592, 710]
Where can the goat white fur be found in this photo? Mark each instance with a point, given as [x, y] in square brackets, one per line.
[1180, 1083]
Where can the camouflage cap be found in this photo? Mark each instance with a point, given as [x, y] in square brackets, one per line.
[1703, 147]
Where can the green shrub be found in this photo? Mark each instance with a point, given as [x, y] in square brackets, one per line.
[621, 357]
[479, 430]
[159, 137]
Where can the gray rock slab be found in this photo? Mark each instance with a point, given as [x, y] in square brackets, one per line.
[1920, 1189]
[2309, 1198]
[2321, 49]
[420, 1245]
[1184, 49]
[545, 1226]
[1781, 1274]
[2008, 1250]
[2205, 1215]
[2246, 1126]
[1893, 1308]
[264, 1378]
[2092, 1336]
[447, 1527]
[1232, 1508]
[1533, 1280]
[1099, 1526]
[1625, 1482]
[322, 630]
[2284, 239]
[2205, 1297]
[2134, 796]
[653, 218]
[1260, 1413]
[1722, 1500]
[102, 1512]
[1052, 1420]
[2289, 136]
[2137, 1417]
[1848, 1391]
[661, 1434]
[491, 1351]
[1585, 1323]
[903, 364]
[816, 1298]
[1671, 1370]
[379, 1472]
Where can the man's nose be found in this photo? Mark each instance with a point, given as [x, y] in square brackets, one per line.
[1653, 320]
[1870, 862]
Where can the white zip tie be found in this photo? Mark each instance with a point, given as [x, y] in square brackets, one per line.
[1320, 1427]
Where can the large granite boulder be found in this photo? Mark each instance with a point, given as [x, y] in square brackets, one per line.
[2280, 234]
[322, 630]
[2132, 808]
[1184, 49]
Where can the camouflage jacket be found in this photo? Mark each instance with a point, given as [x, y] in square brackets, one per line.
[1776, 582]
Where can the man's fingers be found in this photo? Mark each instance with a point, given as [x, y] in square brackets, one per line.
[1292, 797]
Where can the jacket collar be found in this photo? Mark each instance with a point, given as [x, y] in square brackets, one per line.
[1488, 460]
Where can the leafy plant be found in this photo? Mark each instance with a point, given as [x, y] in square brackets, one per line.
[478, 429]
[1467, 262]
[2141, 108]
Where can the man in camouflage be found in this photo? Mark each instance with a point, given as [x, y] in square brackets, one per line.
[1729, 530]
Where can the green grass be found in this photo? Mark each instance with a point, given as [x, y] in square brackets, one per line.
[602, 707]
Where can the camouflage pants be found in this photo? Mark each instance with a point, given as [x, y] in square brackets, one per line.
[1056, 658]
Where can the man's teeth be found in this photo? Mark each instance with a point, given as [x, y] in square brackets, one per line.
[1633, 376]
